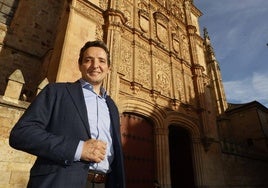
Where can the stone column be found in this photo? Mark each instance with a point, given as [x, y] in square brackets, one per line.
[114, 20]
[162, 157]
[197, 148]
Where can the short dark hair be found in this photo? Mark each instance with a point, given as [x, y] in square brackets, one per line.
[96, 43]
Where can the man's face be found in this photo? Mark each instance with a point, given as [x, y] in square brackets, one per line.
[94, 65]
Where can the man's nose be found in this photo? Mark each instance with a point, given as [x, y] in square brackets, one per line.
[95, 63]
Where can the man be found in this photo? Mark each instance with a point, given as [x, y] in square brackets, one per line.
[74, 129]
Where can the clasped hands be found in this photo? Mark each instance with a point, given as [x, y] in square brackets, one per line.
[94, 150]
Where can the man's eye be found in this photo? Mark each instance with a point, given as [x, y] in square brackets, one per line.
[102, 60]
[88, 60]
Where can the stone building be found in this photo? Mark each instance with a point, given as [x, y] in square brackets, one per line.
[177, 128]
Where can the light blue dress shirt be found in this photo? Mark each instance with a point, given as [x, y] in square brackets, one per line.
[99, 123]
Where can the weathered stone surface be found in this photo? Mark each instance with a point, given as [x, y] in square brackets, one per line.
[162, 71]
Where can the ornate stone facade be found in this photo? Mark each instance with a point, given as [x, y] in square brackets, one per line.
[164, 75]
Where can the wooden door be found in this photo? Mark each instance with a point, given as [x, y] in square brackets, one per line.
[138, 144]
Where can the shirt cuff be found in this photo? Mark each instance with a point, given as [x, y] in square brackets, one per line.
[78, 152]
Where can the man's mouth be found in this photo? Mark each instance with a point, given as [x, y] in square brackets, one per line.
[94, 72]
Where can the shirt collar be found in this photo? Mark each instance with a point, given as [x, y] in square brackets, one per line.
[89, 86]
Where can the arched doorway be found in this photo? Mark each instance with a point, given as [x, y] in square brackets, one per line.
[138, 148]
[181, 165]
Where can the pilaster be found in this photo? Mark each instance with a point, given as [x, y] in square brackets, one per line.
[162, 157]
[215, 74]
[198, 161]
[114, 27]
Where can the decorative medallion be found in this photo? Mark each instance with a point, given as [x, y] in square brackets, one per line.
[175, 43]
[161, 22]
[144, 20]
[162, 79]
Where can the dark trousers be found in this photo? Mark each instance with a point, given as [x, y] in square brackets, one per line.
[95, 185]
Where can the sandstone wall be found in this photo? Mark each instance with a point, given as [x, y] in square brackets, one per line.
[14, 165]
[26, 42]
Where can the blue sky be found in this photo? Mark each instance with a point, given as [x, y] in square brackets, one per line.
[238, 31]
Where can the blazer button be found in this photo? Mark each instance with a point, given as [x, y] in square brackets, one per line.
[67, 162]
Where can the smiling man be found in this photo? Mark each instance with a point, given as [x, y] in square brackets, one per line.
[74, 129]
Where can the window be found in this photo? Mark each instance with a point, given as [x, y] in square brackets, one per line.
[7, 10]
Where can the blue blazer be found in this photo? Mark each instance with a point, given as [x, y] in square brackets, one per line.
[51, 129]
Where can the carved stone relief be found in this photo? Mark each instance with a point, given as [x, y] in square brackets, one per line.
[161, 24]
[162, 2]
[176, 9]
[142, 44]
[103, 4]
[128, 16]
[162, 76]
[125, 66]
[162, 80]
[144, 20]
[185, 48]
[161, 31]
[126, 35]
[143, 72]
[128, 13]
[85, 10]
[189, 88]
[176, 44]
[99, 32]
[178, 82]
[143, 5]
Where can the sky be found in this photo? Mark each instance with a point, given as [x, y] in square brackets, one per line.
[238, 31]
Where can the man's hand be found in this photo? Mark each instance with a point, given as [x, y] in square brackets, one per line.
[94, 150]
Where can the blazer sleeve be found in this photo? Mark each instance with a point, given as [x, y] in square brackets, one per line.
[32, 131]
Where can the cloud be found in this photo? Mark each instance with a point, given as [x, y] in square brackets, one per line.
[238, 35]
[254, 88]
[259, 82]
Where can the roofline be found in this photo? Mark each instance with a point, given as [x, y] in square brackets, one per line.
[242, 106]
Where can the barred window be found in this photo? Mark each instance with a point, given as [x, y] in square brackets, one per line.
[7, 10]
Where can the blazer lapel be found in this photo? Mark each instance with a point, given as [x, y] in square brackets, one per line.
[75, 90]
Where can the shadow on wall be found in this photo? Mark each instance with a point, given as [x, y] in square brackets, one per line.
[27, 41]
